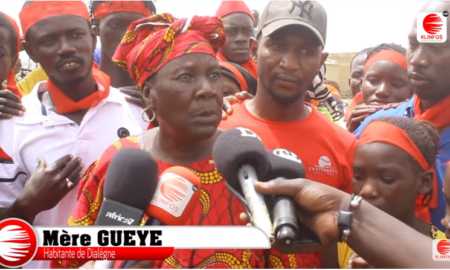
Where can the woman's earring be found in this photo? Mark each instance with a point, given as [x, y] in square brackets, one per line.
[144, 112]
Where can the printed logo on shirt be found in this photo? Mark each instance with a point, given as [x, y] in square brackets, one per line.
[324, 166]
[432, 27]
[441, 250]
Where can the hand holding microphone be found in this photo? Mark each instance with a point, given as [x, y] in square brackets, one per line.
[241, 158]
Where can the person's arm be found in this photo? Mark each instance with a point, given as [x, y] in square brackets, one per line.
[18, 210]
[385, 242]
[27, 84]
[382, 240]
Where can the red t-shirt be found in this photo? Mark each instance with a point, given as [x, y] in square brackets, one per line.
[326, 149]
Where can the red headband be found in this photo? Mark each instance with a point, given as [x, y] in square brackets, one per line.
[39, 10]
[387, 55]
[379, 131]
[121, 6]
[151, 43]
[11, 78]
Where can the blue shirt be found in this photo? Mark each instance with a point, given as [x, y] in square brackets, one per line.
[407, 110]
[97, 55]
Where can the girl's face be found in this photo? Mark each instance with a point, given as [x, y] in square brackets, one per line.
[385, 82]
[388, 178]
[7, 61]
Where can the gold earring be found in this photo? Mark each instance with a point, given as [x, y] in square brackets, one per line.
[144, 112]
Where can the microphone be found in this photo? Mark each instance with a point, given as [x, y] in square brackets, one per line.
[130, 180]
[175, 198]
[241, 158]
[289, 232]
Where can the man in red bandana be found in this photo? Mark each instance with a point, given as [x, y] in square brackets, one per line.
[110, 20]
[238, 22]
[70, 119]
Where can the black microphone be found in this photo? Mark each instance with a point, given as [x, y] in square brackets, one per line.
[289, 232]
[130, 183]
[241, 158]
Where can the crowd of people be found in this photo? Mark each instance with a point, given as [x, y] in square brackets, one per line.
[171, 86]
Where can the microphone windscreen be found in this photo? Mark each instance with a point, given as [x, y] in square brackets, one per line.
[131, 178]
[284, 163]
[176, 196]
[237, 147]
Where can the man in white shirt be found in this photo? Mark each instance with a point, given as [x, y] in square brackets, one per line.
[69, 120]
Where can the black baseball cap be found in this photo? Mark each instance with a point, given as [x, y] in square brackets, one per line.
[278, 14]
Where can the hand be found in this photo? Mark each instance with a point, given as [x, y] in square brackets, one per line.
[10, 105]
[355, 261]
[318, 205]
[134, 96]
[88, 265]
[48, 185]
[359, 114]
[230, 100]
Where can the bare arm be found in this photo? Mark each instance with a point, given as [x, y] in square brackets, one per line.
[382, 240]
[385, 242]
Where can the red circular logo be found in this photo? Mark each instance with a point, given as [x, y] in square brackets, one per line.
[432, 24]
[443, 247]
[18, 243]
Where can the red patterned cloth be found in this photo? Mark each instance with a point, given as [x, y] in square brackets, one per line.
[217, 207]
[152, 42]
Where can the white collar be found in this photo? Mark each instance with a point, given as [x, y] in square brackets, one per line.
[37, 112]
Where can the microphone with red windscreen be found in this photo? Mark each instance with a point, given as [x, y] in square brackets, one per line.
[175, 198]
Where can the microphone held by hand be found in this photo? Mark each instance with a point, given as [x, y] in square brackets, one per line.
[289, 232]
[241, 158]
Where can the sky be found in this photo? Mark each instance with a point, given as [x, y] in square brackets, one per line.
[352, 24]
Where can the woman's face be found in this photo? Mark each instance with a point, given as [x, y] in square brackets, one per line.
[230, 87]
[385, 82]
[388, 178]
[186, 95]
[7, 61]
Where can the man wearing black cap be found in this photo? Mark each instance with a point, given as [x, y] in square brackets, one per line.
[289, 52]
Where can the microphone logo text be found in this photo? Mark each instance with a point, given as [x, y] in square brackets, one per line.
[118, 217]
[173, 193]
[286, 154]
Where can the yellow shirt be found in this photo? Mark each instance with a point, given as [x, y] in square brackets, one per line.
[344, 251]
[27, 84]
